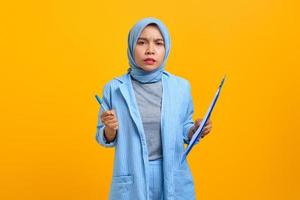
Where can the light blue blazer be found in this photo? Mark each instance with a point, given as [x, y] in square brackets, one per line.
[131, 164]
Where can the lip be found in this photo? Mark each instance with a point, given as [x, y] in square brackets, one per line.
[150, 59]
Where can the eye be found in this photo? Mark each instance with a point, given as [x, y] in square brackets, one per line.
[160, 43]
[140, 42]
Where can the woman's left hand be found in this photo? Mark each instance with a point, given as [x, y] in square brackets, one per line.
[206, 129]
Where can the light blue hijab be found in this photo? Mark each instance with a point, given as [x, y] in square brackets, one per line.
[135, 71]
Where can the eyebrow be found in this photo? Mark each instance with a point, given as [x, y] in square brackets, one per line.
[158, 39]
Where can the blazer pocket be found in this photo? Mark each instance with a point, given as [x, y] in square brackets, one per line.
[121, 187]
[183, 185]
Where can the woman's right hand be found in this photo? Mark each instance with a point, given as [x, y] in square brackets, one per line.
[109, 119]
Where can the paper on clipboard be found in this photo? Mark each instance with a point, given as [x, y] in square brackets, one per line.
[197, 135]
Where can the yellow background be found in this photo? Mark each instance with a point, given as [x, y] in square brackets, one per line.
[55, 55]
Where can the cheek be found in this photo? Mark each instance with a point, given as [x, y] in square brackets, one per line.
[162, 54]
[137, 53]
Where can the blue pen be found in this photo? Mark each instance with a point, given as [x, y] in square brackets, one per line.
[100, 102]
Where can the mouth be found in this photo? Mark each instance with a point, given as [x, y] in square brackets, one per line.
[149, 61]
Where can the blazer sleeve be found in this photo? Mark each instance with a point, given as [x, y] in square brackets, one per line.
[100, 138]
[188, 119]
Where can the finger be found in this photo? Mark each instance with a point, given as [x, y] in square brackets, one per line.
[207, 126]
[106, 113]
[110, 114]
[206, 130]
[111, 121]
[108, 117]
[106, 120]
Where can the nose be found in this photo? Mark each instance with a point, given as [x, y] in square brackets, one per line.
[150, 49]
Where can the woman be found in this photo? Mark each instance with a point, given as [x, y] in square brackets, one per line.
[148, 121]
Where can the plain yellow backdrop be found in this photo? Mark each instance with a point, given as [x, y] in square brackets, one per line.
[56, 55]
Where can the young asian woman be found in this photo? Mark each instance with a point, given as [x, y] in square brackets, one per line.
[148, 121]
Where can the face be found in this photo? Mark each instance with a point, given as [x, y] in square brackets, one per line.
[150, 50]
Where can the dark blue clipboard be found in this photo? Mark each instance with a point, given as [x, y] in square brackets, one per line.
[197, 135]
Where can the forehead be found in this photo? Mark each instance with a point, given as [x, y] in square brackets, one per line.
[151, 32]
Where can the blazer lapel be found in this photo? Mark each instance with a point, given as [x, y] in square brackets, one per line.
[129, 97]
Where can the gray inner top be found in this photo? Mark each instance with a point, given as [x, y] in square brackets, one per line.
[148, 96]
